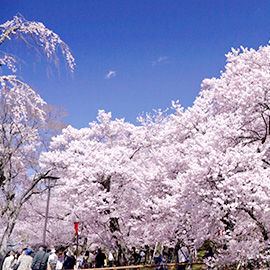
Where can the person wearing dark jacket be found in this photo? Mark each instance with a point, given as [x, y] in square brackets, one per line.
[69, 262]
[40, 260]
[134, 257]
[100, 259]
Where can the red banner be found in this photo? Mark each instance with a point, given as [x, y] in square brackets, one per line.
[76, 226]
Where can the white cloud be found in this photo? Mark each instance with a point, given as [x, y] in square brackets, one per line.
[159, 60]
[110, 75]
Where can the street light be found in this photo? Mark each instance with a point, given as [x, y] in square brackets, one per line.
[49, 182]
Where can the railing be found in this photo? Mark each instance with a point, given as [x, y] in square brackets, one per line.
[173, 266]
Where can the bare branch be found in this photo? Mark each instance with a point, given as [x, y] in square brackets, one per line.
[28, 193]
[259, 223]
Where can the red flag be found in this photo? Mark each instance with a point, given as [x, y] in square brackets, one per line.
[76, 226]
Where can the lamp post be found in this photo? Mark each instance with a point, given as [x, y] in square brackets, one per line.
[49, 182]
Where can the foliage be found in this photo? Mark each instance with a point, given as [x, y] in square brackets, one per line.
[199, 174]
[36, 36]
[26, 124]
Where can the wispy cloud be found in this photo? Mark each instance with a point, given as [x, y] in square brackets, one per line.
[159, 60]
[110, 75]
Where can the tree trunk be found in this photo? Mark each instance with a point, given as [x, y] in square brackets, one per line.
[9, 228]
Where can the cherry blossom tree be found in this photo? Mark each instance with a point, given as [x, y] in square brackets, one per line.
[37, 37]
[101, 156]
[29, 225]
[119, 180]
[198, 174]
[227, 157]
[25, 123]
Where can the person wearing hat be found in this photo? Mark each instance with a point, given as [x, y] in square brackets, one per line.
[40, 260]
[25, 260]
[52, 259]
[70, 261]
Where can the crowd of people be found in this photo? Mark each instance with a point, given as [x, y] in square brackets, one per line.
[50, 259]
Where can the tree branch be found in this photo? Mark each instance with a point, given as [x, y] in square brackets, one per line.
[8, 33]
[259, 224]
[27, 194]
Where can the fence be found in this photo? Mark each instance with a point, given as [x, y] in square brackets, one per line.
[171, 266]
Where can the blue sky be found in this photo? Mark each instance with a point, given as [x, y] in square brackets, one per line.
[152, 52]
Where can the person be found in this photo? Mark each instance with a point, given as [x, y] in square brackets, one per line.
[93, 259]
[52, 260]
[100, 258]
[60, 261]
[25, 260]
[14, 265]
[110, 258]
[85, 261]
[40, 260]
[121, 259]
[171, 255]
[8, 260]
[161, 260]
[80, 260]
[70, 261]
[209, 253]
[134, 258]
[150, 256]
[183, 256]
[142, 255]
